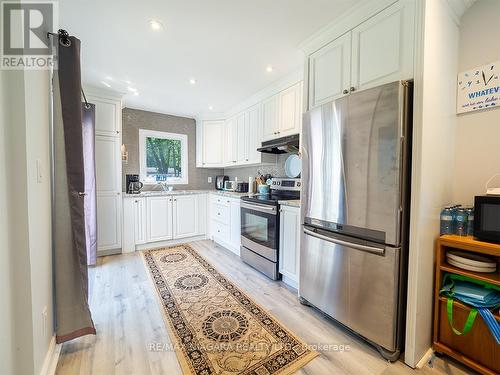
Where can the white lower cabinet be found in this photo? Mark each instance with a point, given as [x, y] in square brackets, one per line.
[159, 218]
[134, 223]
[185, 216]
[162, 218]
[109, 221]
[225, 222]
[289, 252]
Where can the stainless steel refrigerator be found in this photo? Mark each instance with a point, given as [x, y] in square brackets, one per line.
[355, 157]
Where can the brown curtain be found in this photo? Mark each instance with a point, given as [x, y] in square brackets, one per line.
[73, 317]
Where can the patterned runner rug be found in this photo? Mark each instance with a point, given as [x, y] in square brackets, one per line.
[215, 327]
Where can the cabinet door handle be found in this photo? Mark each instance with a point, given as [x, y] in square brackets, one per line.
[345, 91]
[353, 89]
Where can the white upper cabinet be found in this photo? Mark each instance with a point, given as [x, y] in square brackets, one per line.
[107, 115]
[282, 113]
[270, 117]
[254, 134]
[377, 51]
[231, 142]
[382, 47]
[242, 138]
[290, 110]
[330, 71]
[185, 216]
[107, 156]
[234, 142]
[212, 144]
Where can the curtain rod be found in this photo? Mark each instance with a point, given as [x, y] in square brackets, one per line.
[64, 40]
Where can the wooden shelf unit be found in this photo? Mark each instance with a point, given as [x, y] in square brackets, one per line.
[477, 349]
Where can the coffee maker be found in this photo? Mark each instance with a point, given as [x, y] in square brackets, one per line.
[133, 184]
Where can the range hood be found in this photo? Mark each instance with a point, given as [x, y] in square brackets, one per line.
[281, 145]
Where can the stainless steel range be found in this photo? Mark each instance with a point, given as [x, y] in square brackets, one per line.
[260, 225]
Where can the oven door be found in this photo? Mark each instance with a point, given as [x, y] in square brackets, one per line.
[260, 228]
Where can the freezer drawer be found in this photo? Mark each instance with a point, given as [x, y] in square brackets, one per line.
[356, 283]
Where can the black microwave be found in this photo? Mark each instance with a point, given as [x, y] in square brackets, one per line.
[487, 218]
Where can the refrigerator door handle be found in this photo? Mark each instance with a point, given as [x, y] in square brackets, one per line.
[368, 249]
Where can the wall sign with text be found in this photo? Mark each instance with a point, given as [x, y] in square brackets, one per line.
[479, 88]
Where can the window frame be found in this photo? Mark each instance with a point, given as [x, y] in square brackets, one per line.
[145, 133]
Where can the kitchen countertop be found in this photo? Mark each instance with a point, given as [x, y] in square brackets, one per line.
[291, 203]
[155, 193]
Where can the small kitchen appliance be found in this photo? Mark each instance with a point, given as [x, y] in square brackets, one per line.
[230, 185]
[219, 182]
[133, 184]
[260, 225]
[241, 187]
[487, 218]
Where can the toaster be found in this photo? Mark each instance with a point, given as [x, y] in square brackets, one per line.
[241, 187]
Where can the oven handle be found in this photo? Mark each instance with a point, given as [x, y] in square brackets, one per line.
[368, 249]
[260, 207]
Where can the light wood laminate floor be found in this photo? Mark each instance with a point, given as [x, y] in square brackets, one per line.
[129, 322]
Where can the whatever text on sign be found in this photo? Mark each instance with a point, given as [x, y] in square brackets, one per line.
[478, 88]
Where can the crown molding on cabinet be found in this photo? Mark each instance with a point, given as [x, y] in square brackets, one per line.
[100, 92]
[270, 90]
[458, 8]
[346, 22]
[155, 110]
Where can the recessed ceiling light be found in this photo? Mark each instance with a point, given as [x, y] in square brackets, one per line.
[269, 68]
[131, 89]
[136, 93]
[105, 84]
[155, 25]
[192, 81]
[211, 108]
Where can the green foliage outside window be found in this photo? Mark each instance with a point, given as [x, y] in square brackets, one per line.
[163, 158]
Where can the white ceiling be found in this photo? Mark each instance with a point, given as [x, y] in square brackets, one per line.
[224, 44]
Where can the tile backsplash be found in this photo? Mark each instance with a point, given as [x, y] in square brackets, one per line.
[276, 169]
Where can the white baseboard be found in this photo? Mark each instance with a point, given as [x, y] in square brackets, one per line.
[51, 358]
[425, 359]
[158, 244]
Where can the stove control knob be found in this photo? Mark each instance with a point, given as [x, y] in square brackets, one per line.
[298, 184]
[279, 183]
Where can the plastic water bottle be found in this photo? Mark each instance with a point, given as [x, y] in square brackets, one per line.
[446, 221]
[470, 221]
[461, 219]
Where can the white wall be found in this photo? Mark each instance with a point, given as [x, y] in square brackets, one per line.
[477, 153]
[39, 208]
[433, 161]
[25, 260]
[6, 338]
